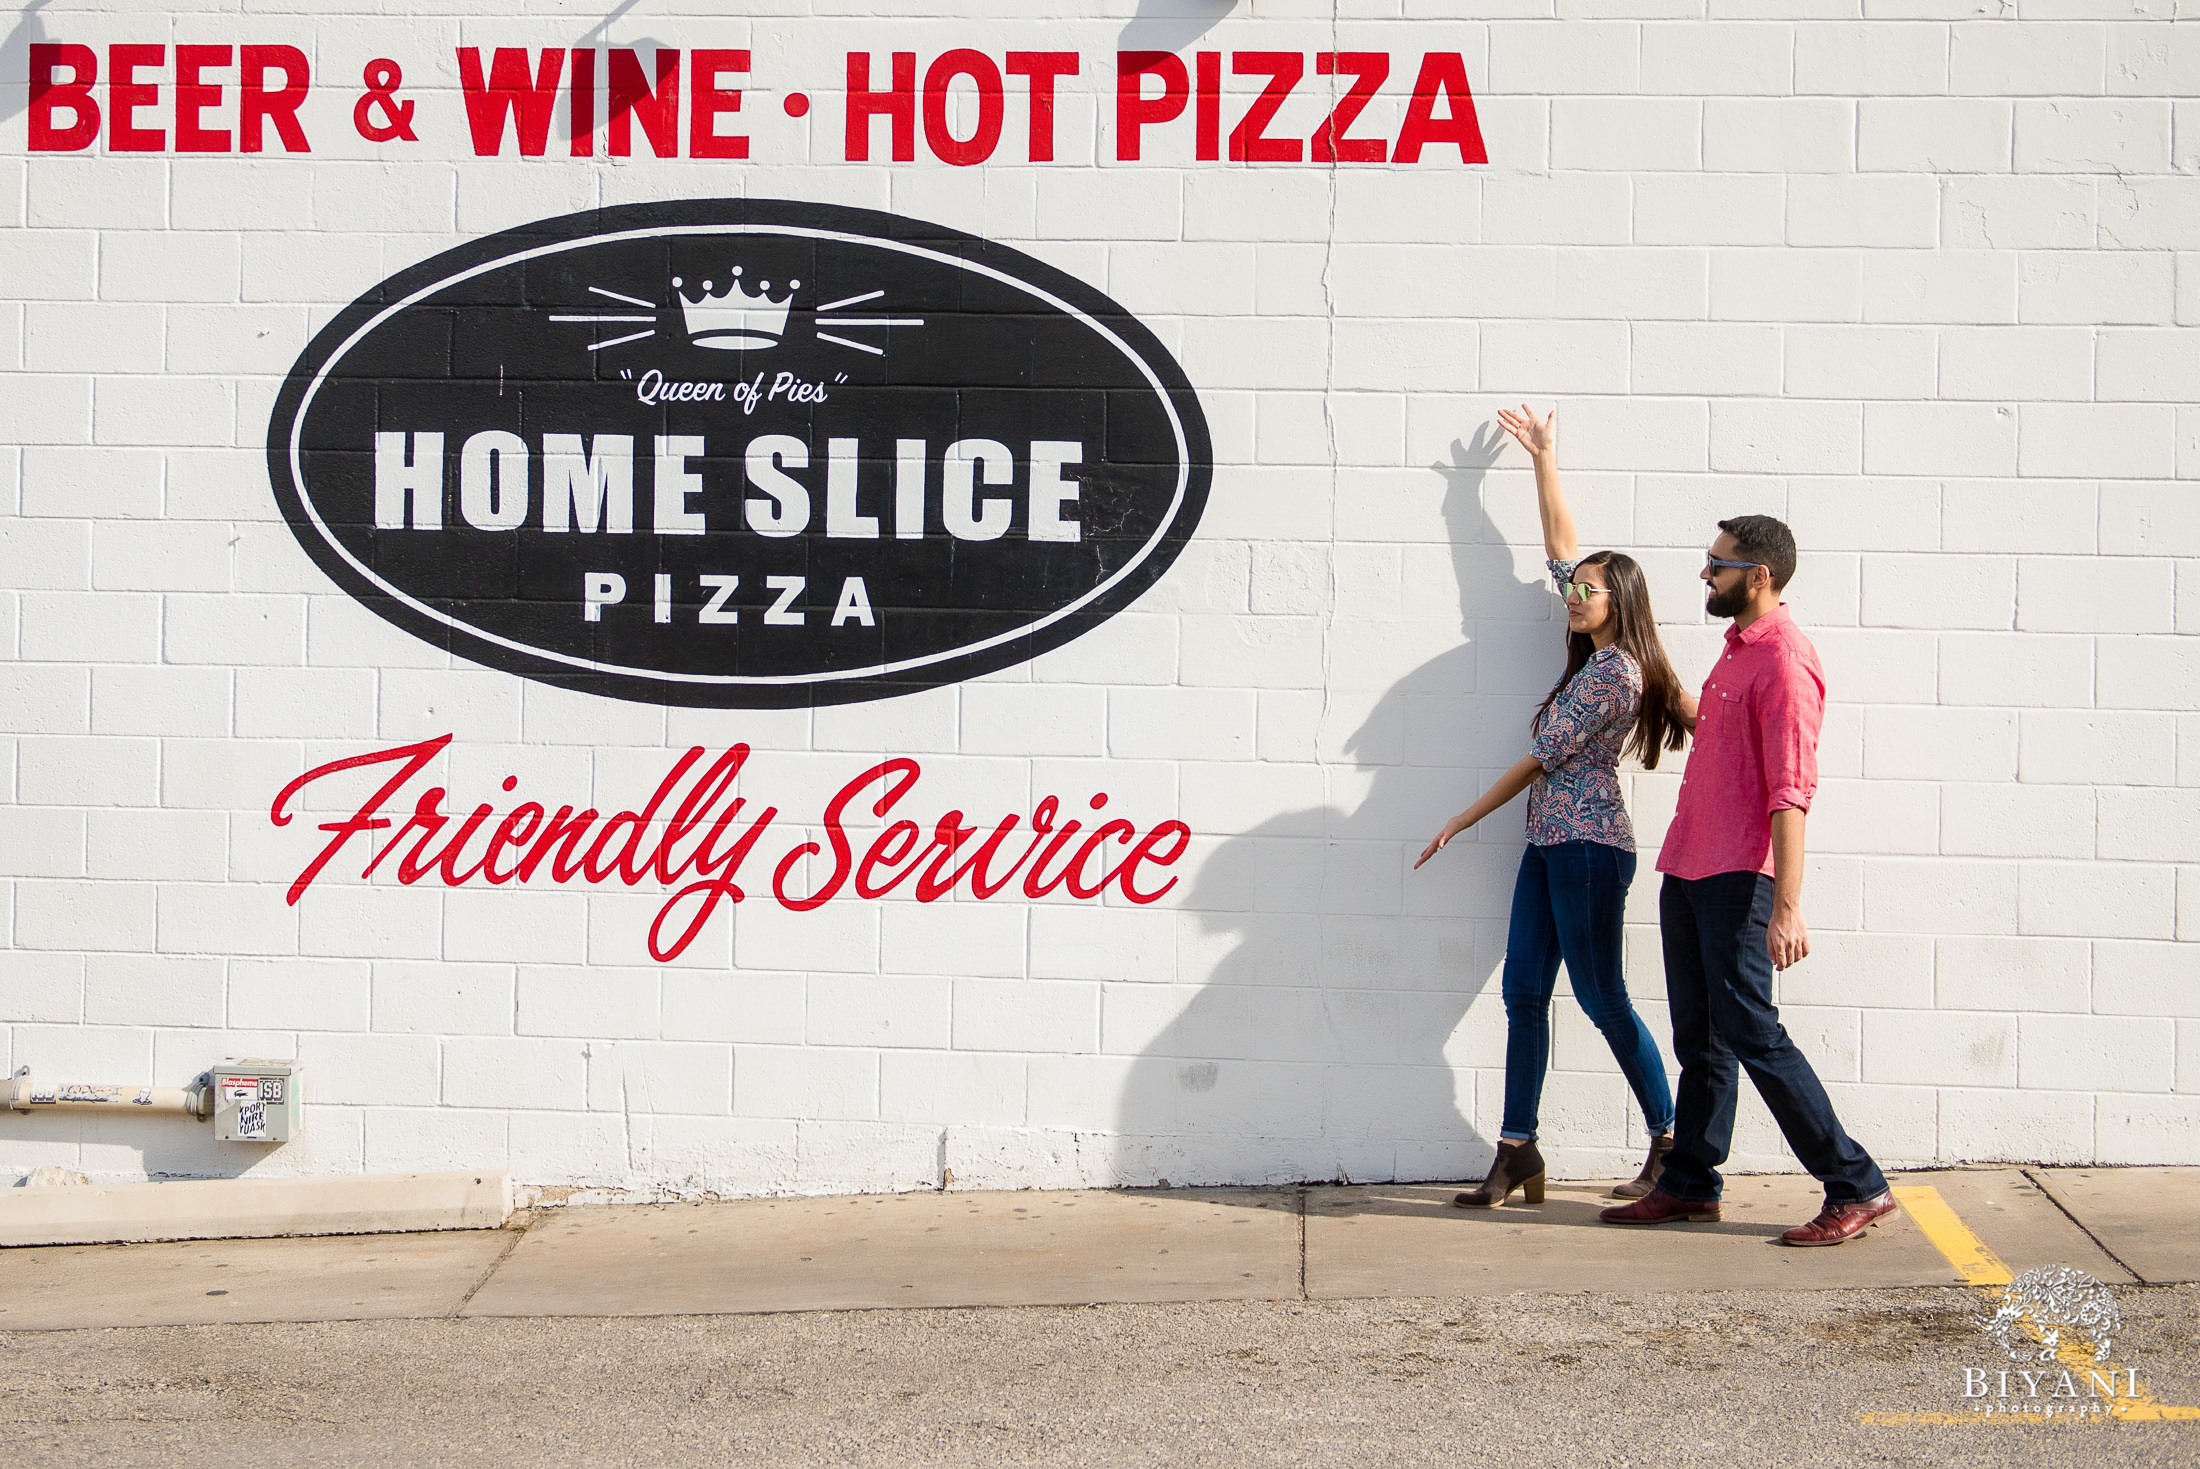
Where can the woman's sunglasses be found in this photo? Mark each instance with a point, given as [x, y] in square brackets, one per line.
[1581, 591]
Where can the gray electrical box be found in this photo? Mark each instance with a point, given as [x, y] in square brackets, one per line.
[257, 1100]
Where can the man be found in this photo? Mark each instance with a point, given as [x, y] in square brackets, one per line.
[1731, 910]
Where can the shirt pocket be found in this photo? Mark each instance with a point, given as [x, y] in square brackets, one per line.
[1716, 711]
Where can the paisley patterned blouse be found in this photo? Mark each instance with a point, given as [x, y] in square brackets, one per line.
[1577, 798]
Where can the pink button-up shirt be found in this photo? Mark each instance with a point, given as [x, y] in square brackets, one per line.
[1755, 750]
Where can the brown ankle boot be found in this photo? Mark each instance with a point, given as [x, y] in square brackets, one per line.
[1517, 1166]
[1652, 1166]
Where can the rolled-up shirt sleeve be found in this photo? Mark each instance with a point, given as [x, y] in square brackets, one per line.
[1597, 695]
[1790, 707]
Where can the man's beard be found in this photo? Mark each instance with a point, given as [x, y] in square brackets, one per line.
[1728, 603]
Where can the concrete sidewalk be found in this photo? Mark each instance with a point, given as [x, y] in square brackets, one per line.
[2123, 1226]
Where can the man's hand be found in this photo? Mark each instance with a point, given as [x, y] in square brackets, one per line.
[1786, 937]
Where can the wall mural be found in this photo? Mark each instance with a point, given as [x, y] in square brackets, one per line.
[720, 791]
[740, 453]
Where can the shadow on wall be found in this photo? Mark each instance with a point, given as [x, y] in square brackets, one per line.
[599, 35]
[128, 1148]
[1171, 25]
[15, 60]
[1322, 1046]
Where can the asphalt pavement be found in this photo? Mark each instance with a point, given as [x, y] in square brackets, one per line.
[1292, 1326]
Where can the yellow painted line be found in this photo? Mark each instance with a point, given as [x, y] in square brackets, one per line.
[2145, 1410]
[1952, 1237]
[1983, 1270]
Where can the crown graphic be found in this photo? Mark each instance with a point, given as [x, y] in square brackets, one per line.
[735, 317]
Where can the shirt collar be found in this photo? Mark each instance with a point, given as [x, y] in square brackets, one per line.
[1762, 627]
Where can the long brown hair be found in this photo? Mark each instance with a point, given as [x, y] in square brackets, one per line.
[1658, 725]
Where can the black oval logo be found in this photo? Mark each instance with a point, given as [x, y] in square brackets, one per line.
[740, 453]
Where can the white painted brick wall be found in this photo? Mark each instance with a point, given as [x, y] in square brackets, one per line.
[1923, 281]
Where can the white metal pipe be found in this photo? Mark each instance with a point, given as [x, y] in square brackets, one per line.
[22, 1094]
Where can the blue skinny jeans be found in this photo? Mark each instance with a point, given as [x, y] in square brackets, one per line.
[1567, 905]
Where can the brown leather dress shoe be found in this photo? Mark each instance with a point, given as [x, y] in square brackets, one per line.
[1838, 1222]
[1660, 1207]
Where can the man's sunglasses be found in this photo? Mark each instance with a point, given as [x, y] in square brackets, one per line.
[1710, 562]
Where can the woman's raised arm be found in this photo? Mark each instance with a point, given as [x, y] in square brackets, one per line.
[1539, 436]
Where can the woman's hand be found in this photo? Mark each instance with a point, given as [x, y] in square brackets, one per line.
[1443, 838]
[1522, 775]
[1539, 436]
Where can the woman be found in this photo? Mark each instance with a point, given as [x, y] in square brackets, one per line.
[1618, 694]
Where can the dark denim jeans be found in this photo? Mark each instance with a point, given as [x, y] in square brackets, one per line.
[1718, 978]
[1567, 904]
